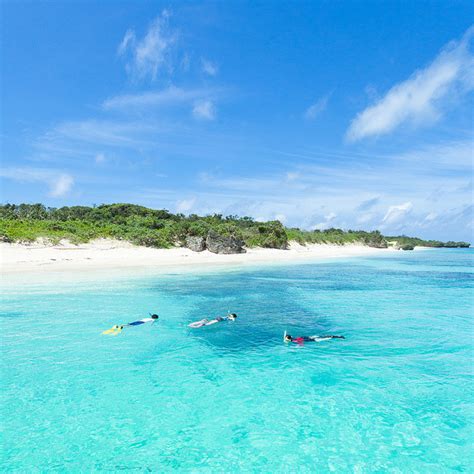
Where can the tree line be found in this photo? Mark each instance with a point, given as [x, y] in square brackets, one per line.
[163, 229]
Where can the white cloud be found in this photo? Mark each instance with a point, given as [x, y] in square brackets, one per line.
[209, 67]
[59, 183]
[456, 155]
[422, 97]
[204, 109]
[395, 213]
[328, 221]
[317, 108]
[292, 175]
[149, 54]
[170, 96]
[431, 217]
[185, 205]
[365, 218]
[101, 132]
[99, 158]
[185, 62]
[128, 40]
[368, 204]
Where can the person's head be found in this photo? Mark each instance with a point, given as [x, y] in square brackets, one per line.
[288, 338]
[154, 316]
[232, 316]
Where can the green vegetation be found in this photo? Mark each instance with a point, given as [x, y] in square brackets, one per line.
[160, 228]
[404, 241]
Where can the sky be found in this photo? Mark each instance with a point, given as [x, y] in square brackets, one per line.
[320, 114]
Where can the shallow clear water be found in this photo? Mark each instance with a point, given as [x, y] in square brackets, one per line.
[395, 396]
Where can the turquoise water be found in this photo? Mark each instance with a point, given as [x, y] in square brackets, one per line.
[395, 396]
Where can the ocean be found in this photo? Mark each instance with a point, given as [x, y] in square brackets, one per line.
[395, 396]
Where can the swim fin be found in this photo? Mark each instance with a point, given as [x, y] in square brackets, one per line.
[113, 331]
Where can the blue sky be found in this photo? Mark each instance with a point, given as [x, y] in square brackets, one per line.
[321, 114]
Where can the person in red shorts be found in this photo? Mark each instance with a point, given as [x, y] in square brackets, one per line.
[300, 340]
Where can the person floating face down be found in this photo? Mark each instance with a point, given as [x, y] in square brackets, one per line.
[210, 322]
[117, 329]
[300, 340]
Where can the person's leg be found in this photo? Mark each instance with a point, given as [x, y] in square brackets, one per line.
[198, 324]
[213, 321]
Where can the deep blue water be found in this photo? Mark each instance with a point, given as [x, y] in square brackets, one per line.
[395, 396]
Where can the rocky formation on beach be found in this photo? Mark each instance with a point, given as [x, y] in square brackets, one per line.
[196, 243]
[378, 245]
[215, 243]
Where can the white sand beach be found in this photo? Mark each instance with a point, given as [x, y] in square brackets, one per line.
[106, 254]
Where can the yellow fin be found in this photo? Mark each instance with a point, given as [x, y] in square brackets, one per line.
[114, 330]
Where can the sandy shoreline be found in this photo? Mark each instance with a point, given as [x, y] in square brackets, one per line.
[104, 254]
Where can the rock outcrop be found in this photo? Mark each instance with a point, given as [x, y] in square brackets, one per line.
[377, 244]
[217, 243]
[196, 243]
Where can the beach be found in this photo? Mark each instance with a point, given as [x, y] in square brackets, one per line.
[108, 254]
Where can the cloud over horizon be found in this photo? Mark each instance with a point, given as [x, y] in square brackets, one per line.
[58, 182]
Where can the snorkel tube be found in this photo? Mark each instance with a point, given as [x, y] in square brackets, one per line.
[284, 337]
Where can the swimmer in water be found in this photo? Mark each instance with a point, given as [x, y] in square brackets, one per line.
[117, 329]
[300, 340]
[210, 322]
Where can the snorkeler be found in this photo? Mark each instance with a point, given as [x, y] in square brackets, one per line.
[207, 322]
[114, 330]
[300, 340]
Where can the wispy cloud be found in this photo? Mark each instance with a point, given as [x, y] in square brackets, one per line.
[204, 109]
[368, 204]
[101, 132]
[59, 183]
[316, 109]
[326, 223]
[128, 41]
[185, 205]
[396, 213]
[170, 96]
[209, 67]
[445, 156]
[424, 96]
[146, 56]
[100, 158]
[292, 175]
